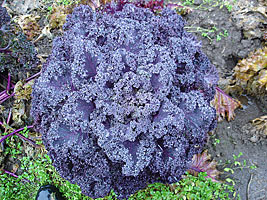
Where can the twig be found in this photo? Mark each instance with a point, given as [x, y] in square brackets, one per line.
[1, 85]
[3, 3]
[9, 116]
[248, 186]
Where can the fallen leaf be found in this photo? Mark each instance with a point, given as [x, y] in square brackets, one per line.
[23, 91]
[181, 10]
[224, 105]
[58, 17]
[18, 113]
[203, 163]
[29, 25]
[250, 74]
[261, 124]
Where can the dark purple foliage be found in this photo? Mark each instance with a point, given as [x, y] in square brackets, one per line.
[17, 54]
[5, 19]
[153, 5]
[124, 100]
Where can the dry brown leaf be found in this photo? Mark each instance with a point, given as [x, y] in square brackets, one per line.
[250, 74]
[224, 105]
[181, 10]
[261, 124]
[45, 33]
[203, 163]
[29, 25]
[57, 17]
[23, 91]
[18, 113]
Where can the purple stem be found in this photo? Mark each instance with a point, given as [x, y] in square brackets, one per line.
[14, 132]
[10, 173]
[14, 175]
[8, 83]
[196, 169]
[2, 94]
[33, 76]
[6, 98]
[3, 97]
[1, 123]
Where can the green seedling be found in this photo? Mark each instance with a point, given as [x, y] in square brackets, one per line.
[216, 141]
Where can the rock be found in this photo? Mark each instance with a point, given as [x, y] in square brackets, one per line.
[49, 192]
[254, 138]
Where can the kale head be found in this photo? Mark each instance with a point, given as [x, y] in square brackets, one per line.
[124, 99]
[17, 54]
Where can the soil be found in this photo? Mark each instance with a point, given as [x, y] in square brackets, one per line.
[238, 135]
[243, 37]
[234, 138]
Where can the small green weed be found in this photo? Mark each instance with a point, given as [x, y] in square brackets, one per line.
[51, 4]
[216, 141]
[37, 172]
[234, 165]
[211, 34]
[207, 4]
[40, 172]
[156, 191]
[237, 164]
[201, 187]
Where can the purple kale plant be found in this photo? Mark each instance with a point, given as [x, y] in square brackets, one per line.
[124, 99]
[17, 54]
